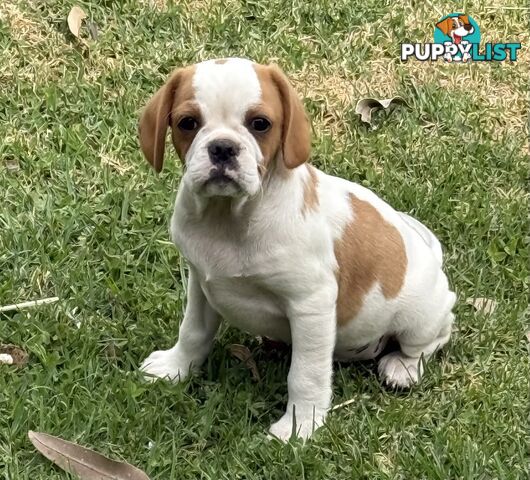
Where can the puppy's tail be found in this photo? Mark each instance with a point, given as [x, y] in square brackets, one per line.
[428, 237]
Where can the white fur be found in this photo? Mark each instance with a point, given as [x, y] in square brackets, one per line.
[266, 268]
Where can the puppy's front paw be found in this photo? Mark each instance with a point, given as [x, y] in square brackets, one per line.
[164, 364]
[303, 428]
[400, 371]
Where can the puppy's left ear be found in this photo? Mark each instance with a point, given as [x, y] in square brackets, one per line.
[155, 120]
[296, 131]
[465, 19]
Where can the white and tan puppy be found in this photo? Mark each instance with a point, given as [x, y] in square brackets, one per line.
[279, 248]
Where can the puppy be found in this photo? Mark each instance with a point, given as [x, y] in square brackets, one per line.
[280, 249]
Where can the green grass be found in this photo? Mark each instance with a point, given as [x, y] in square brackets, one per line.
[83, 217]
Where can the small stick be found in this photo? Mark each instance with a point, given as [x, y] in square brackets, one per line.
[343, 404]
[32, 303]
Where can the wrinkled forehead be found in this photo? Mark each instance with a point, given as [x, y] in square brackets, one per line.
[226, 88]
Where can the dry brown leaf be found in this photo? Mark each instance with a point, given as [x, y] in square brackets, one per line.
[366, 106]
[13, 355]
[81, 461]
[243, 353]
[75, 20]
[482, 305]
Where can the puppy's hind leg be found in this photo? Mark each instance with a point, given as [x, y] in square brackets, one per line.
[417, 343]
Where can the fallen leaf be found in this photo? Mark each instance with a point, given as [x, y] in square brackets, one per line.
[75, 20]
[81, 461]
[366, 106]
[482, 305]
[18, 356]
[243, 353]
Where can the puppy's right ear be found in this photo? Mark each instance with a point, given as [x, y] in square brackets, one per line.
[155, 120]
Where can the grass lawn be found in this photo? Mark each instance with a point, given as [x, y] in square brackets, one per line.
[83, 217]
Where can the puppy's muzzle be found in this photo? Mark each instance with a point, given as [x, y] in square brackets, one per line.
[223, 153]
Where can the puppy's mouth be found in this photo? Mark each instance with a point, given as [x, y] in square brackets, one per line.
[219, 183]
[219, 177]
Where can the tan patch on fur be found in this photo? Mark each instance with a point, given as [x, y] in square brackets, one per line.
[296, 132]
[220, 61]
[272, 108]
[311, 200]
[370, 250]
[283, 103]
[173, 101]
[184, 106]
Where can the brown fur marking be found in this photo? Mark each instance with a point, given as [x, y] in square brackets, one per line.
[293, 133]
[184, 106]
[370, 250]
[311, 200]
[174, 98]
[272, 108]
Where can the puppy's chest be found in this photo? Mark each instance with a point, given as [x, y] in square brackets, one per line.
[235, 278]
[247, 304]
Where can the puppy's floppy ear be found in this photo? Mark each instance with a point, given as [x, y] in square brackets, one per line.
[464, 18]
[155, 120]
[445, 25]
[296, 131]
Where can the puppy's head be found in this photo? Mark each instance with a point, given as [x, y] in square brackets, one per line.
[230, 120]
[459, 26]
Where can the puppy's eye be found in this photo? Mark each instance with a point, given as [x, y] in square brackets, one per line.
[260, 124]
[188, 123]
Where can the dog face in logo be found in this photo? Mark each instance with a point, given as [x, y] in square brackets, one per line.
[456, 27]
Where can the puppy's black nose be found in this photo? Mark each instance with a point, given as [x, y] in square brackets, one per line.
[222, 151]
[468, 27]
